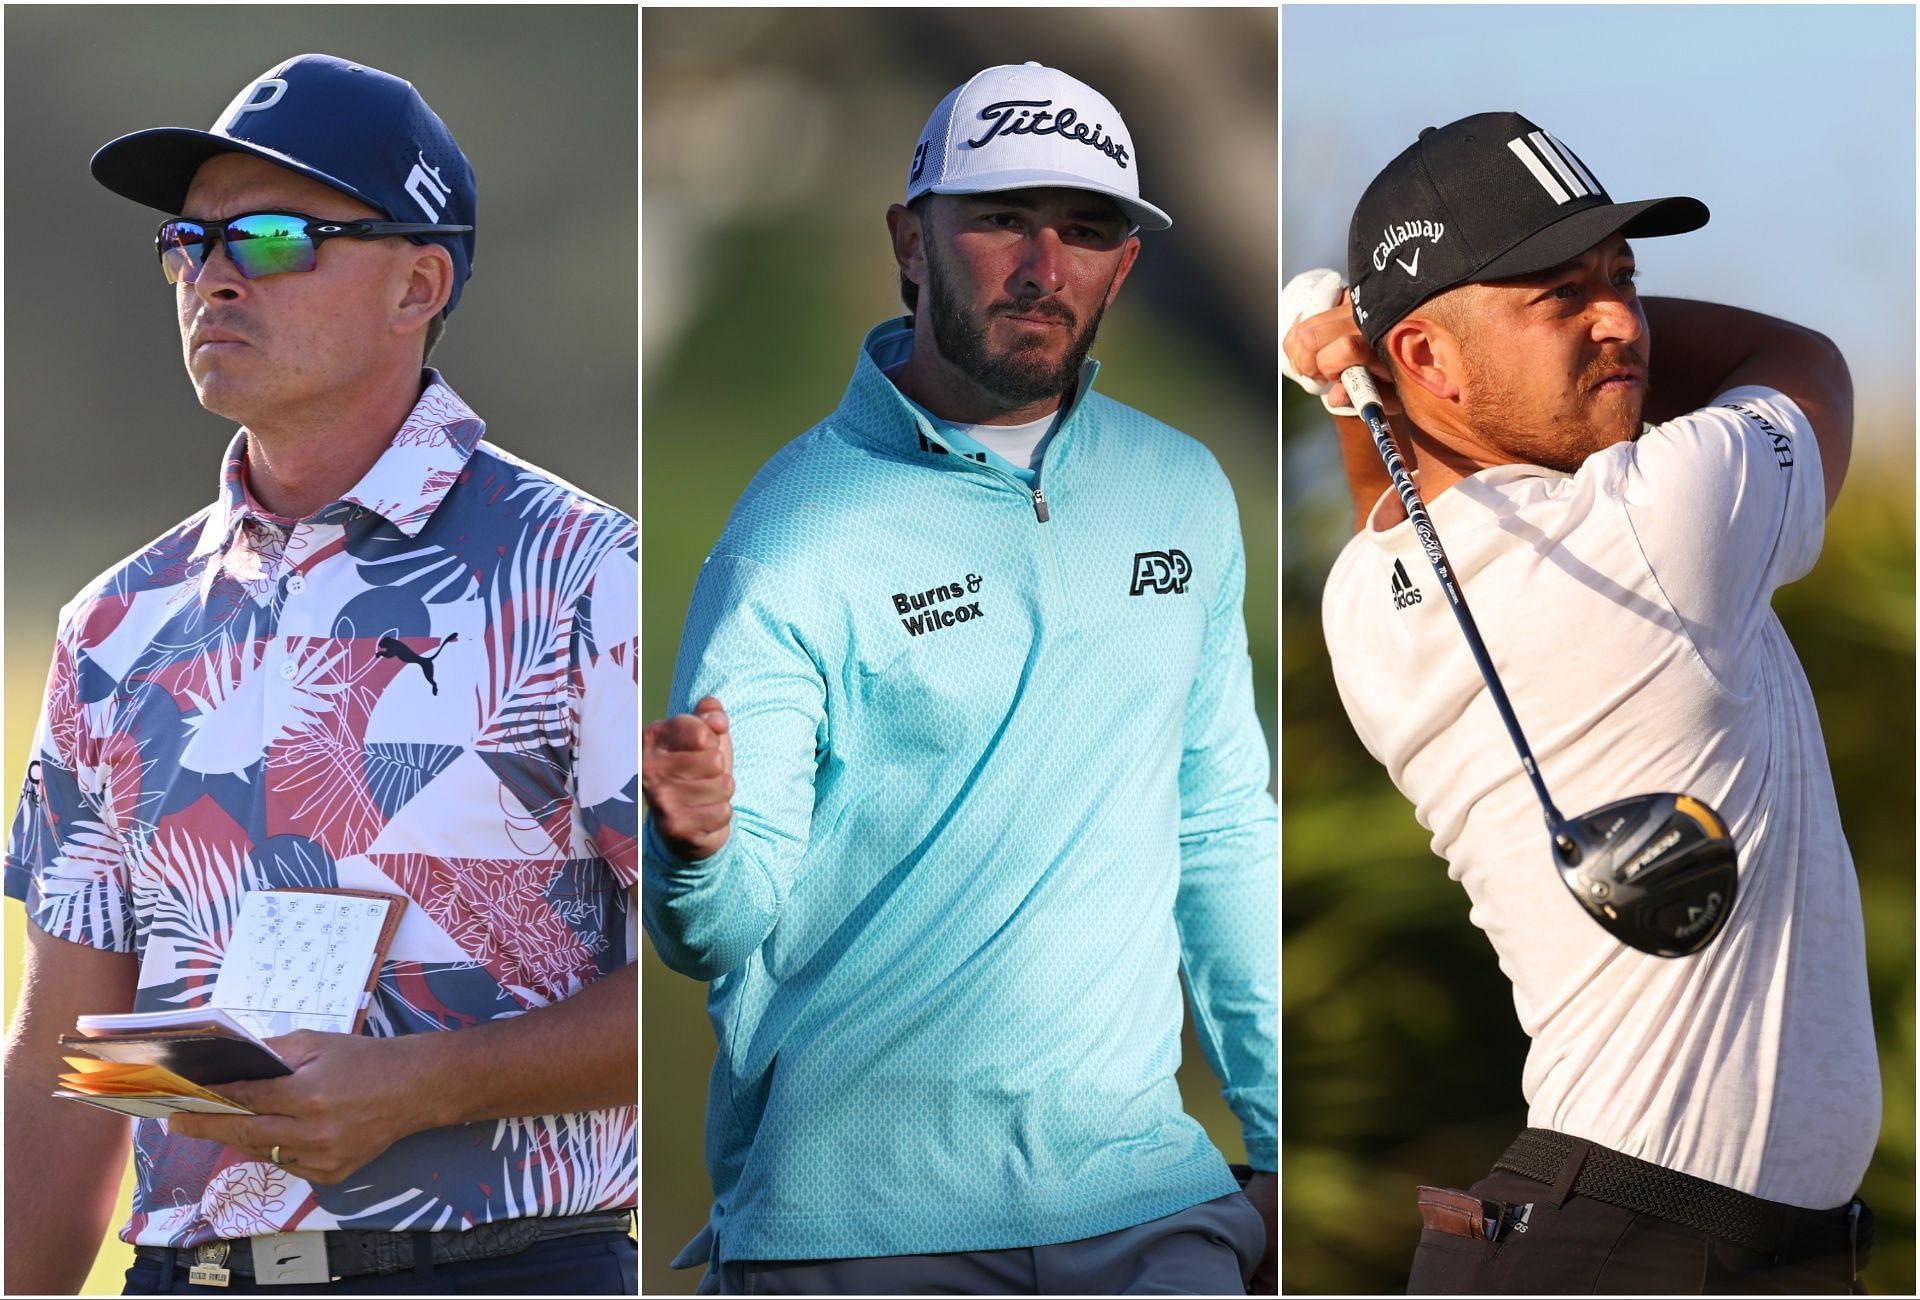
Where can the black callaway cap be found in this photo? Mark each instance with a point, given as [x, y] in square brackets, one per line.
[1484, 198]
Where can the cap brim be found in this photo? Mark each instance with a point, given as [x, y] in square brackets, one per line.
[156, 167]
[1141, 213]
[1569, 238]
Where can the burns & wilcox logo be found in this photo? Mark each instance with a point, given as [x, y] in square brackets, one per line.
[938, 607]
[1160, 571]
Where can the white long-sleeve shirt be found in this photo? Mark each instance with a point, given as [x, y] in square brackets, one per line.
[1626, 607]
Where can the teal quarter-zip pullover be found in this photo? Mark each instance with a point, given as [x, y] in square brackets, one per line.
[999, 784]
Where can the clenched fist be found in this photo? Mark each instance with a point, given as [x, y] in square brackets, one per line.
[686, 774]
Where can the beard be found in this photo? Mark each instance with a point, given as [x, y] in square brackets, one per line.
[1562, 440]
[1022, 374]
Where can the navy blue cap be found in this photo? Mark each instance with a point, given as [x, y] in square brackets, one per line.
[362, 131]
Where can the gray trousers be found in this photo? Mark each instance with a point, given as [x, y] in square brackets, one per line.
[1209, 1249]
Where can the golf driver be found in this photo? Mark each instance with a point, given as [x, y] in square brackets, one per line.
[1657, 871]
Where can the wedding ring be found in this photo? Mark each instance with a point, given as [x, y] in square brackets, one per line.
[275, 1157]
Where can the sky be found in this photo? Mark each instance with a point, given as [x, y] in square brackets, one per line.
[1793, 124]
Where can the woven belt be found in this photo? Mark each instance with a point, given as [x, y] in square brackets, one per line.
[1747, 1221]
[359, 1253]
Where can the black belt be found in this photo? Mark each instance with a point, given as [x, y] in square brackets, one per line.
[358, 1253]
[1765, 1227]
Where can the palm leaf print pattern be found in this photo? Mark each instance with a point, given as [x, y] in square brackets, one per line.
[220, 718]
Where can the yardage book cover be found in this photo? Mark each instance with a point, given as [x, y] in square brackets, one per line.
[297, 959]
[208, 1059]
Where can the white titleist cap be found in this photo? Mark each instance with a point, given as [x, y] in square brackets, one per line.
[1024, 126]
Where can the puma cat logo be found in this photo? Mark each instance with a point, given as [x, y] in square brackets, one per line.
[391, 648]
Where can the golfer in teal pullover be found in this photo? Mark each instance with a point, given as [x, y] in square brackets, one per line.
[986, 781]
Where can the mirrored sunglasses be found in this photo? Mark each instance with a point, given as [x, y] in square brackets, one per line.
[267, 243]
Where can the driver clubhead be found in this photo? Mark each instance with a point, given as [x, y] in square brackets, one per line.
[1657, 871]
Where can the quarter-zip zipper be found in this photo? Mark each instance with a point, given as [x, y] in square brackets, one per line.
[1048, 540]
[1042, 513]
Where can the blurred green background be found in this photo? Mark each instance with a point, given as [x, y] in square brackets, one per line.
[106, 447]
[773, 142]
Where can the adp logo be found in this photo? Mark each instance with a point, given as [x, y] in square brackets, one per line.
[1161, 571]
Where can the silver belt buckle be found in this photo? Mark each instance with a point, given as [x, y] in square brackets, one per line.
[290, 1259]
[209, 1264]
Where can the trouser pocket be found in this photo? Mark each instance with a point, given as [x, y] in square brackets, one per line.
[1460, 1236]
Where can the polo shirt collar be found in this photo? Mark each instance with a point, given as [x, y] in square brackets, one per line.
[404, 487]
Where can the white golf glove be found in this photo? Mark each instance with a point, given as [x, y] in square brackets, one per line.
[1308, 294]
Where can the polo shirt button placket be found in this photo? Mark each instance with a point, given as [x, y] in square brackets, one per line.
[283, 640]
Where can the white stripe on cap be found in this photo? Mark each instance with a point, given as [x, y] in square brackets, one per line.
[1539, 141]
[1553, 188]
[1578, 166]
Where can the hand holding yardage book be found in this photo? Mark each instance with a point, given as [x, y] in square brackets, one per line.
[297, 959]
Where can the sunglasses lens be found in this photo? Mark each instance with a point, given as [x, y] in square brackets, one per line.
[267, 244]
[183, 248]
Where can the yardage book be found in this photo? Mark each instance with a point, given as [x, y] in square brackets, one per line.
[296, 959]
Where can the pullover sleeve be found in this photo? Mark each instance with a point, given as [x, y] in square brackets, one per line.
[743, 646]
[1228, 906]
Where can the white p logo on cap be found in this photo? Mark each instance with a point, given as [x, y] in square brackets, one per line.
[244, 101]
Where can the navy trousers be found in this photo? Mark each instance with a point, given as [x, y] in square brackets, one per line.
[1579, 1246]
